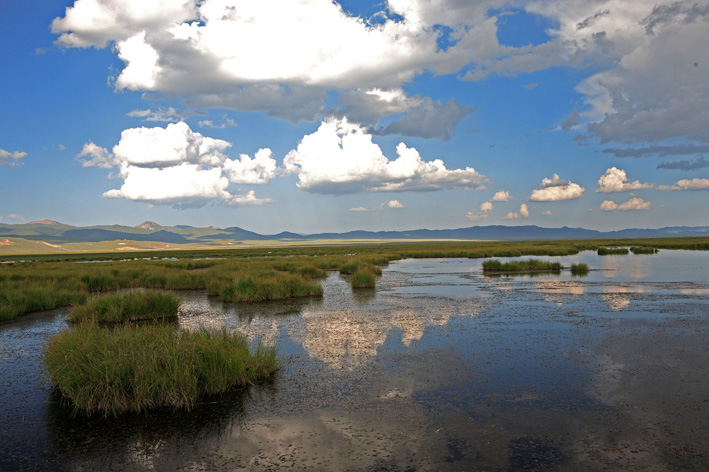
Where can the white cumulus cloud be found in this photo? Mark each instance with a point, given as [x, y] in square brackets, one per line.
[175, 165]
[501, 196]
[391, 204]
[635, 203]
[93, 155]
[340, 157]
[259, 170]
[522, 213]
[555, 189]
[686, 184]
[616, 180]
[8, 158]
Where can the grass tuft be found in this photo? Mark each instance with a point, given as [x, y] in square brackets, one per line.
[111, 371]
[579, 269]
[135, 306]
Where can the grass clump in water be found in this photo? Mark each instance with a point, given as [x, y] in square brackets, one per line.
[579, 269]
[136, 306]
[530, 265]
[135, 368]
[364, 278]
[643, 250]
[611, 251]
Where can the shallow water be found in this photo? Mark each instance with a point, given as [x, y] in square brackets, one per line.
[440, 368]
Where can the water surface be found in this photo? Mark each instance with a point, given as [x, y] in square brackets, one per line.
[439, 368]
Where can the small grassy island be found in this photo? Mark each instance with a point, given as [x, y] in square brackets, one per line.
[528, 266]
[579, 269]
[109, 371]
[612, 251]
[643, 250]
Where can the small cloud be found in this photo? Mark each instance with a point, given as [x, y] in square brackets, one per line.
[15, 216]
[555, 189]
[171, 115]
[391, 204]
[700, 163]
[501, 196]
[62, 147]
[546, 213]
[635, 203]
[362, 209]
[11, 159]
[522, 213]
[151, 96]
[227, 123]
[40, 51]
[615, 180]
[530, 86]
[685, 184]
[485, 210]
[99, 156]
[571, 121]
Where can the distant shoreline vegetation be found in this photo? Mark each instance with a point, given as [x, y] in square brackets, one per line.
[530, 265]
[246, 275]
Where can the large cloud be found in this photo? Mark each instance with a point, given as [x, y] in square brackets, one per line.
[341, 157]
[555, 189]
[652, 85]
[648, 59]
[8, 158]
[616, 180]
[175, 165]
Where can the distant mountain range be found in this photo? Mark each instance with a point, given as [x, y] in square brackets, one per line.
[58, 233]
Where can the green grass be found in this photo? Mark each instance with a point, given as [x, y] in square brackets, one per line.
[529, 265]
[610, 251]
[364, 278]
[579, 269]
[643, 250]
[56, 282]
[108, 371]
[135, 306]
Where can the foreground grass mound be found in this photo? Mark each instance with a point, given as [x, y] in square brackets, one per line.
[530, 265]
[110, 371]
[136, 306]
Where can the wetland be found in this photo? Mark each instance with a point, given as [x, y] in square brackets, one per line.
[438, 367]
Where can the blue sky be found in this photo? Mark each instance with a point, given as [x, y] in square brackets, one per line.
[316, 116]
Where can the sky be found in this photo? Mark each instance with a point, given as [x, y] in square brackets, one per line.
[314, 115]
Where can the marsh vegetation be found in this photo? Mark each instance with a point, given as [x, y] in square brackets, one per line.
[120, 308]
[612, 251]
[108, 371]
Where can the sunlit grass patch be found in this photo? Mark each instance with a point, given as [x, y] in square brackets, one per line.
[135, 306]
[128, 368]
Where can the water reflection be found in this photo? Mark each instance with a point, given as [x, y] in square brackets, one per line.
[559, 292]
[439, 368]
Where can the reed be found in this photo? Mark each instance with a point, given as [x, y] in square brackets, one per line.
[364, 278]
[611, 251]
[109, 371]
